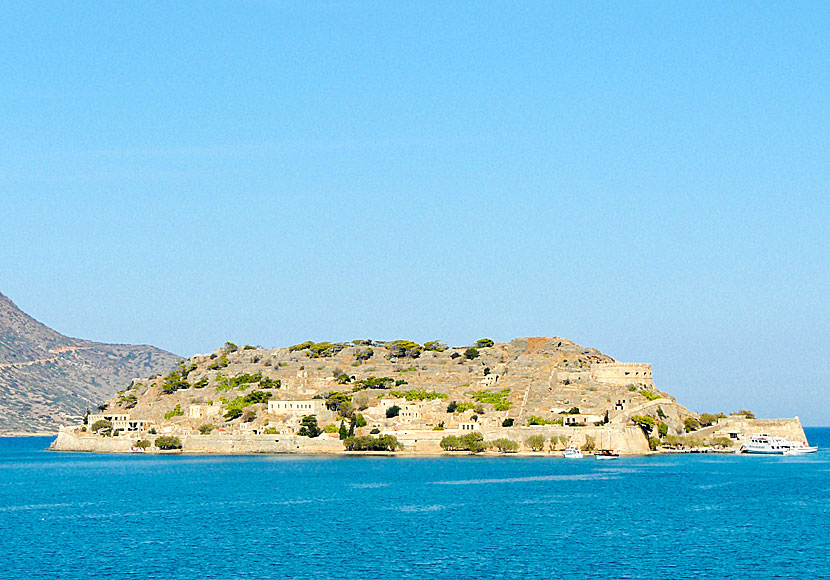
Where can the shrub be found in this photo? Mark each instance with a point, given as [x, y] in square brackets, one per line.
[747, 413]
[435, 345]
[507, 422]
[269, 431]
[324, 349]
[454, 355]
[366, 443]
[218, 363]
[102, 425]
[374, 431]
[484, 343]
[142, 444]
[339, 403]
[374, 383]
[342, 378]
[535, 420]
[360, 420]
[206, 429]
[168, 442]
[363, 354]
[200, 384]
[662, 429]
[452, 407]
[233, 413]
[301, 346]
[229, 347]
[471, 442]
[404, 348]
[536, 442]
[707, 419]
[393, 411]
[722, 442]
[653, 443]
[176, 412]
[173, 382]
[650, 395]
[439, 426]
[691, 424]
[308, 427]
[644, 423]
[573, 411]
[505, 445]
[471, 353]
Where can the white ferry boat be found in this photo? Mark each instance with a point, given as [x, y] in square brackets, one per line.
[765, 444]
[572, 453]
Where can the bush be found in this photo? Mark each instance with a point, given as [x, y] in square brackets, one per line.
[270, 431]
[507, 422]
[650, 395]
[200, 384]
[691, 424]
[404, 348]
[142, 444]
[653, 443]
[573, 411]
[363, 354]
[229, 347]
[393, 411]
[308, 427]
[101, 425]
[536, 442]
[722, 442]
[535, 420]
[360, 421]
[505, 445]
[176, 412]
[374, 383]
[374, 431]
[707, 419]
[747, 413]
[168, 442]
[218, 363]
[206, 429]
[435, 345]
[471, 353]
[366, 443]
[454, 355]
[484, 343]
[662, 429]
[173, 382]
[452, 407]
[644, 423]
[471, 442]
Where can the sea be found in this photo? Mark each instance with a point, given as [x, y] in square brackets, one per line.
[72, 515]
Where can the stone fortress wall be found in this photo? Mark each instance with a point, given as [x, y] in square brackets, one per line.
[618, 373]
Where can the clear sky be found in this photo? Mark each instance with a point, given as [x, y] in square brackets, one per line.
[650, 179]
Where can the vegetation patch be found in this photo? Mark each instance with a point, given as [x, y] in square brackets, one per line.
[368, 443]
[166, 442]
[473, 442]
[496, 398]
[176, 412]
[418, 395]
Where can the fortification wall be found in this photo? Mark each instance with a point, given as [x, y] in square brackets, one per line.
[621, 374]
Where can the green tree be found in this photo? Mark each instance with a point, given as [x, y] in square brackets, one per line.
[691, 424]
[343, 431]
[206, 429]
[103, 426]
[435, 345]
[308, 427]
[505, 445]
[471, 353]
[507, 422]
[168, 442]
[393, 411]
[484, 343]
[142, 444]
[536, 442]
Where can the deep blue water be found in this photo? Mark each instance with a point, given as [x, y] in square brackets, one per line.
[67, 516]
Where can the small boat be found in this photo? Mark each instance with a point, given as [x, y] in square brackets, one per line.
[606, 454]
[572, 453]
[795, 448]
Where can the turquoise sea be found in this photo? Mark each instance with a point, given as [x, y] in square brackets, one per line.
[67, 516]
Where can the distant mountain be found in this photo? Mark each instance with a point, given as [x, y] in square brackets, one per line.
[46, 377]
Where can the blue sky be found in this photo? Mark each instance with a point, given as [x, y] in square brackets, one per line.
[647, 178]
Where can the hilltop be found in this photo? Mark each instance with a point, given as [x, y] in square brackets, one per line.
[252, 399]
[46, 378]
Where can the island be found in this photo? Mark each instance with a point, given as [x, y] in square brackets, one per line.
[530, 395]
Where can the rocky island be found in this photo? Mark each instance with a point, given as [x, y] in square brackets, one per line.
[530, 395]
